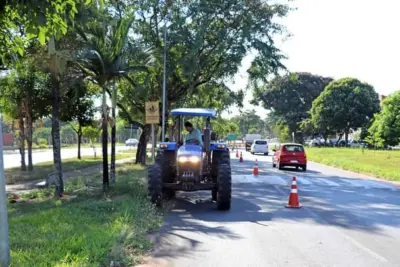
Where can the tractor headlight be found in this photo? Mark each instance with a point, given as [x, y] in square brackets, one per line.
[192, 159]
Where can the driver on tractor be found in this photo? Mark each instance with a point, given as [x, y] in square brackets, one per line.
[193, 136]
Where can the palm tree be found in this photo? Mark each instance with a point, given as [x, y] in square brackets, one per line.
[105, 60]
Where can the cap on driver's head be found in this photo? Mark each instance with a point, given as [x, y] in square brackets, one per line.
[188, 124]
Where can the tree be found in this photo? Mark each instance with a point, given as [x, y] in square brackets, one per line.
[290, 97]
[23, 21]
[281, 130]
[77, 105]
[207, 41]
[10, 91]
[92, 133]
[24, 91]
[105, 61]
[344, 104]
[40, 19]
[386, 125]
[249, 122]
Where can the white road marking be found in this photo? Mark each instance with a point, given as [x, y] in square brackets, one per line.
[350, 239]
[252, 179]
[326, 182]
[354, 182]
[275, 180]
[375, 184]
[279, 180]
[303, 180]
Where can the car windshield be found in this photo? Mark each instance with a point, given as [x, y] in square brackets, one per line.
[261, 142]
[293, 148]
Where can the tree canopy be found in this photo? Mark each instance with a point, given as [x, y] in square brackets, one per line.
[290, 97]
[386, 124]
[344, 104]
[206, 43]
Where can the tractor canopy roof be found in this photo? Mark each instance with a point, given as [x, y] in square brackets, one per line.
[194, 112]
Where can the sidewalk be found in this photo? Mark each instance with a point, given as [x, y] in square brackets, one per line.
[28, 186]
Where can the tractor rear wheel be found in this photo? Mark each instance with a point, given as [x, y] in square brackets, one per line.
[218, 158]
[155, 184]
[166, 161]
[224, 183]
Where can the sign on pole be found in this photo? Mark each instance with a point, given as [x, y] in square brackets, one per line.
[231, 136]
[152, 117]
[152, 112]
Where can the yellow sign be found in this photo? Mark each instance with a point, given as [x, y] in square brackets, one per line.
[152, 112]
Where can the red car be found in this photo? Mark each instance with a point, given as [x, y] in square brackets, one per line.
[290, 155]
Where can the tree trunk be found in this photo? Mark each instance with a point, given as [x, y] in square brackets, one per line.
[22, 143]
[106, 182]
[29, 137]
[55, 130]
[79, 140]
[346, 136]
[325, 136]
[13, 131]
[113, 135]
[141, 153]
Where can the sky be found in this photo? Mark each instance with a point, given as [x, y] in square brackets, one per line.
[339, 38]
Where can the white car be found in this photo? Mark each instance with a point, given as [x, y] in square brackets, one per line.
[132, 142]
[259, 146]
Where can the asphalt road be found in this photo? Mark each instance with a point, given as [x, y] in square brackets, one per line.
[14, 160]
[346, 220]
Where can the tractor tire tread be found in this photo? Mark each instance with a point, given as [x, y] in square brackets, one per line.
[224, 181]
[155, 184]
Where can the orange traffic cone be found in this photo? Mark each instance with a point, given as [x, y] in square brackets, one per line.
[241, 157]
[255, 169]
[237, 153]
[294, 197]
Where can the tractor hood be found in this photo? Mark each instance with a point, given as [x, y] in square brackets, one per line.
[190, 150]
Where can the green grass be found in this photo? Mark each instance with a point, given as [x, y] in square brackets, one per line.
[86, 145]
[381, 164]
[41, 170]
[89, 230]
[130, 150]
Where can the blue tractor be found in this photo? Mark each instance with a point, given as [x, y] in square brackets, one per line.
[185, 166]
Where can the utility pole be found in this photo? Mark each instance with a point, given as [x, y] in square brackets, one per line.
[164, 98]
[4, 239]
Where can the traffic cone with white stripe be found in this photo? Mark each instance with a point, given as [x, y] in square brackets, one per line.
[294, 202]
[255, 169]
[241, 157]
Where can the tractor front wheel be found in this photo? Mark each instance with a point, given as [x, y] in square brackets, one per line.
[224, 182]
[155, 184]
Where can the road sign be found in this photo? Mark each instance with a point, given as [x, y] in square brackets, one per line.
[152, 112]
[231, 136]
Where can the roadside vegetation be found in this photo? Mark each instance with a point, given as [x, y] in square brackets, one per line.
[87, 228]
[379, 163]
[41, 170]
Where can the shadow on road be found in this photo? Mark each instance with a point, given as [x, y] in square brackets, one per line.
[195, 218]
